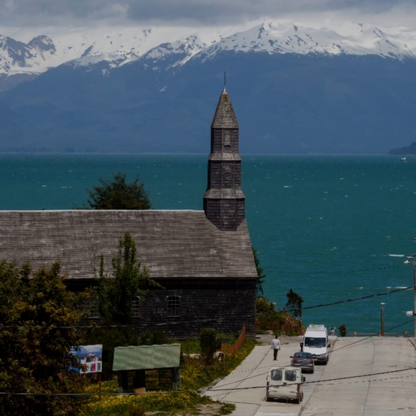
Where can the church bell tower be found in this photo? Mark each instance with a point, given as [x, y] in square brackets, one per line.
[224, 201]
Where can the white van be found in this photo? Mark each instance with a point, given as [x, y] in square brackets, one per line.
[316, 342]
[284, 383]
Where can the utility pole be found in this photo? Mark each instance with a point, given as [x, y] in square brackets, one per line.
[414, 287]
[414, 294]
[382, 319]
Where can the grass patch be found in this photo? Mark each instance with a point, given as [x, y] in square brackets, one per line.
[196, 375]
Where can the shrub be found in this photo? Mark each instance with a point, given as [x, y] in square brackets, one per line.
[343, 330]
[209, 343]
[154, 338]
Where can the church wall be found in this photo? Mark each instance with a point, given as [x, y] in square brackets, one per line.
[225, 306]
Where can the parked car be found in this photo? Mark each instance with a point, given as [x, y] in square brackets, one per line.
[284, 383]
[304, 360]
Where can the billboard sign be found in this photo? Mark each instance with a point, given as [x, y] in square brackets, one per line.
[90, 357]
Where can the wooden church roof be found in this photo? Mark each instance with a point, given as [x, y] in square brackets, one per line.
[171, 244]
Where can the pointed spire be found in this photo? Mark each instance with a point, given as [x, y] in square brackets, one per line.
[225, 82]
[224, 201]
[224, 117]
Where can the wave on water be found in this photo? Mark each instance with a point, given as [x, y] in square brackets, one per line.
[396, 255]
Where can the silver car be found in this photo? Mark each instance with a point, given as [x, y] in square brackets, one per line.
[304, 360]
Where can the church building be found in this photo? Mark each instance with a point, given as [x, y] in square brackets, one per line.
[202, 258]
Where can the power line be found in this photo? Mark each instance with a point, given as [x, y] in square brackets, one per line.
[344, 271]
[7, 393]
[211, 320]
[360, 298]
[323, 381]
[287, 363]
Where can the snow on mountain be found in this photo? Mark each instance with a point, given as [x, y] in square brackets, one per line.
[116, 45]
[20, 58]
[175, 46]
[289, 38]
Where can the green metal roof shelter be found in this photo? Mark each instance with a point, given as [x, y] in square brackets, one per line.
[146, 357]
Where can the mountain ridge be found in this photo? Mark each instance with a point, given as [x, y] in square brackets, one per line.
[123, 46]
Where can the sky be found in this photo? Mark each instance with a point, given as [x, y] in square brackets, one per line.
[35, 15]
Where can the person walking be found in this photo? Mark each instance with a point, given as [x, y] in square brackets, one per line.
[275, 347]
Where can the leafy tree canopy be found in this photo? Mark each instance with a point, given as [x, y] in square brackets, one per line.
[127, 281]
[294, 303]
[114, 300]
[34, 347]
[118, 194]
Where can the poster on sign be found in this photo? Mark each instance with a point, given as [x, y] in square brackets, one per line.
[90, 357]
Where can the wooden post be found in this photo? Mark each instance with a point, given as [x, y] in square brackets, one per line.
[123, 381]
[176, 380]
[99, 386]
[82, 390]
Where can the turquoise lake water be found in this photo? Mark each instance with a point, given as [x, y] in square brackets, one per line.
[329, 227]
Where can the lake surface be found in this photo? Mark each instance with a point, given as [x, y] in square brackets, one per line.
[329, 227]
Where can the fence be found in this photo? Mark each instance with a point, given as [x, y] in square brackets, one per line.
[278, 326]
[232, 349]
[405, 334]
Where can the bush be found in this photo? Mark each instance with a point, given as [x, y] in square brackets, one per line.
[264, 306]
[154, 338]
[209, 343]
[343, 330]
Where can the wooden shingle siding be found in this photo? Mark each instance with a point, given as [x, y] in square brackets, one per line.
[169, 243]
[224, 305]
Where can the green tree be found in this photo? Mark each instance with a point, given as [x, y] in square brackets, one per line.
[156, 337]
[209, 340]
[115, 294]
[343, 330]
[261, 277]
[118, 194]
[294, 303]
[37, 319]
[127, 281]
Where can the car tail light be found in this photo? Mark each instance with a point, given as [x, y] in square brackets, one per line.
[310, 361]
[295, 361]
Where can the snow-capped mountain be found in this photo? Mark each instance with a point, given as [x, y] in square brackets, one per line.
[119, 47]
[297, 89]
[289, 38]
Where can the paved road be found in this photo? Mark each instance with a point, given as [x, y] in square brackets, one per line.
[377, 394]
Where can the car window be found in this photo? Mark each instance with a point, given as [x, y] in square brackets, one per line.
[290, 375]
[276, 375]
[302, 355]
[315, 342]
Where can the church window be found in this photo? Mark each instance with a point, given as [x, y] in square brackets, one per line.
[173, 303]
[135, 307]
[91, 307]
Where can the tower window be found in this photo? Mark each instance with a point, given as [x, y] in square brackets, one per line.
[227, 139]
[173, 304]
[227, 177]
